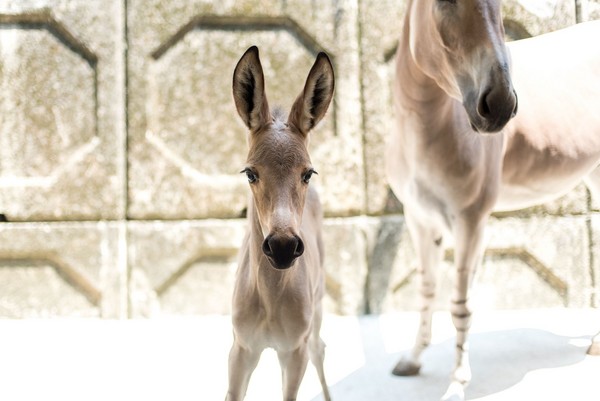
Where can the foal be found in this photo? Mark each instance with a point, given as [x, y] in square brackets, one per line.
[280, 279]
[454, 86]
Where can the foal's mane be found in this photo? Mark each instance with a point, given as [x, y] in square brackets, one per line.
[278, 145]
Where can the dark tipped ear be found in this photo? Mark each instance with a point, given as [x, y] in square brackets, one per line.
[249, 90]
[311, 105]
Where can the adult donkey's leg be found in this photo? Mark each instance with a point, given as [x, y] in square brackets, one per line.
[593, 183]
[428, 245]
[468, 234]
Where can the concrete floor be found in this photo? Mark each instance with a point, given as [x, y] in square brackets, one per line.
[515, 355]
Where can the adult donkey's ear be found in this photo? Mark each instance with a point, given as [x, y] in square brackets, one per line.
[249, 90]
[311, 105]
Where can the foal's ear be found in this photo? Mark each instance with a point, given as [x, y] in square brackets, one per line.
[249, 90]
[311, 105]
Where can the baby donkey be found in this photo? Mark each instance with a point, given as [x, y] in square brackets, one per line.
[280, 280]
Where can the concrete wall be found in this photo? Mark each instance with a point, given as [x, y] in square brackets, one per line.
[120, 151]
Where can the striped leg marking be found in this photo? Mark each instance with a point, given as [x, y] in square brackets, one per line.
[428, 244]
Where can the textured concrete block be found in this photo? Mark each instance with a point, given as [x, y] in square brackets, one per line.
[529, 262]
[550, 257]
[592, 291]
[64, 155]
[186, 141]
[593, 10]
[380, 24]
[590, 10]
[345, 265]
[537, 17]
[198, 277]
[183, 267]
[62, 269]
[61, 110]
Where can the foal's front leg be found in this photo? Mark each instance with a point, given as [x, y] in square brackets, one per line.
[293, 365]
[242, 362]
[468, 254]
[429, 247]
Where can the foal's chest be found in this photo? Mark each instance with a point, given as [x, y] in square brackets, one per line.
[279, 321]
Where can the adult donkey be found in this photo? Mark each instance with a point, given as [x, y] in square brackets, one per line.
[280, 279]
[453, 89]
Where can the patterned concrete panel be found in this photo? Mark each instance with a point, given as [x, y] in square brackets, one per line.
[187, 143]
[557, 249]
[62, 269]
[532, 262]
[61, 125]
[590, 10]
[198, 278]
[593, 290]
[64, 155]
[370, 266]
[539, 16]
[345, 265]
[380, 26]
[185, 267]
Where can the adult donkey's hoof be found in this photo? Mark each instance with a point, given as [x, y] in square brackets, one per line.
[406, 368]
[594, 348]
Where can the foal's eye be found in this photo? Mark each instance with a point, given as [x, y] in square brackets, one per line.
[252, 176]
[307, 175]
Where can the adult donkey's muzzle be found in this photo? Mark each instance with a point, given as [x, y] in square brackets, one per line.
[282, 250]
[495, 107]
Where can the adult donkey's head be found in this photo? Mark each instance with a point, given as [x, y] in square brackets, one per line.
[460, 44]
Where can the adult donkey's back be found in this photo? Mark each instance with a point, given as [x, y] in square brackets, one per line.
[454, 86]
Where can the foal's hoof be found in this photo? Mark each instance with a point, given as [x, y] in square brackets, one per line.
[406, 368]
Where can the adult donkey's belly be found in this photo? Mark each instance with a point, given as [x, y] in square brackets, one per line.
[554, 140]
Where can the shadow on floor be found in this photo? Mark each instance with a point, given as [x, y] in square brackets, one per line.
[499, 360]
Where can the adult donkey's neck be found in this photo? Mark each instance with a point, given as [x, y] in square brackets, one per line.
[415, 91]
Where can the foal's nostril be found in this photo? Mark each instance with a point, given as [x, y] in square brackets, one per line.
[266, 246]
[299, 247]
[514, 113]
[282, 250]
[483, 108]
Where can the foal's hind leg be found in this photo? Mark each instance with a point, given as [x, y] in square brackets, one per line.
[593, 183]
[316, 351]
[428, 245]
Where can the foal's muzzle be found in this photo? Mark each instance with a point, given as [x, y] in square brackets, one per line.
[282, 250]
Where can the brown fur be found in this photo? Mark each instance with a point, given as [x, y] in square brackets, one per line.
[280, 279]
